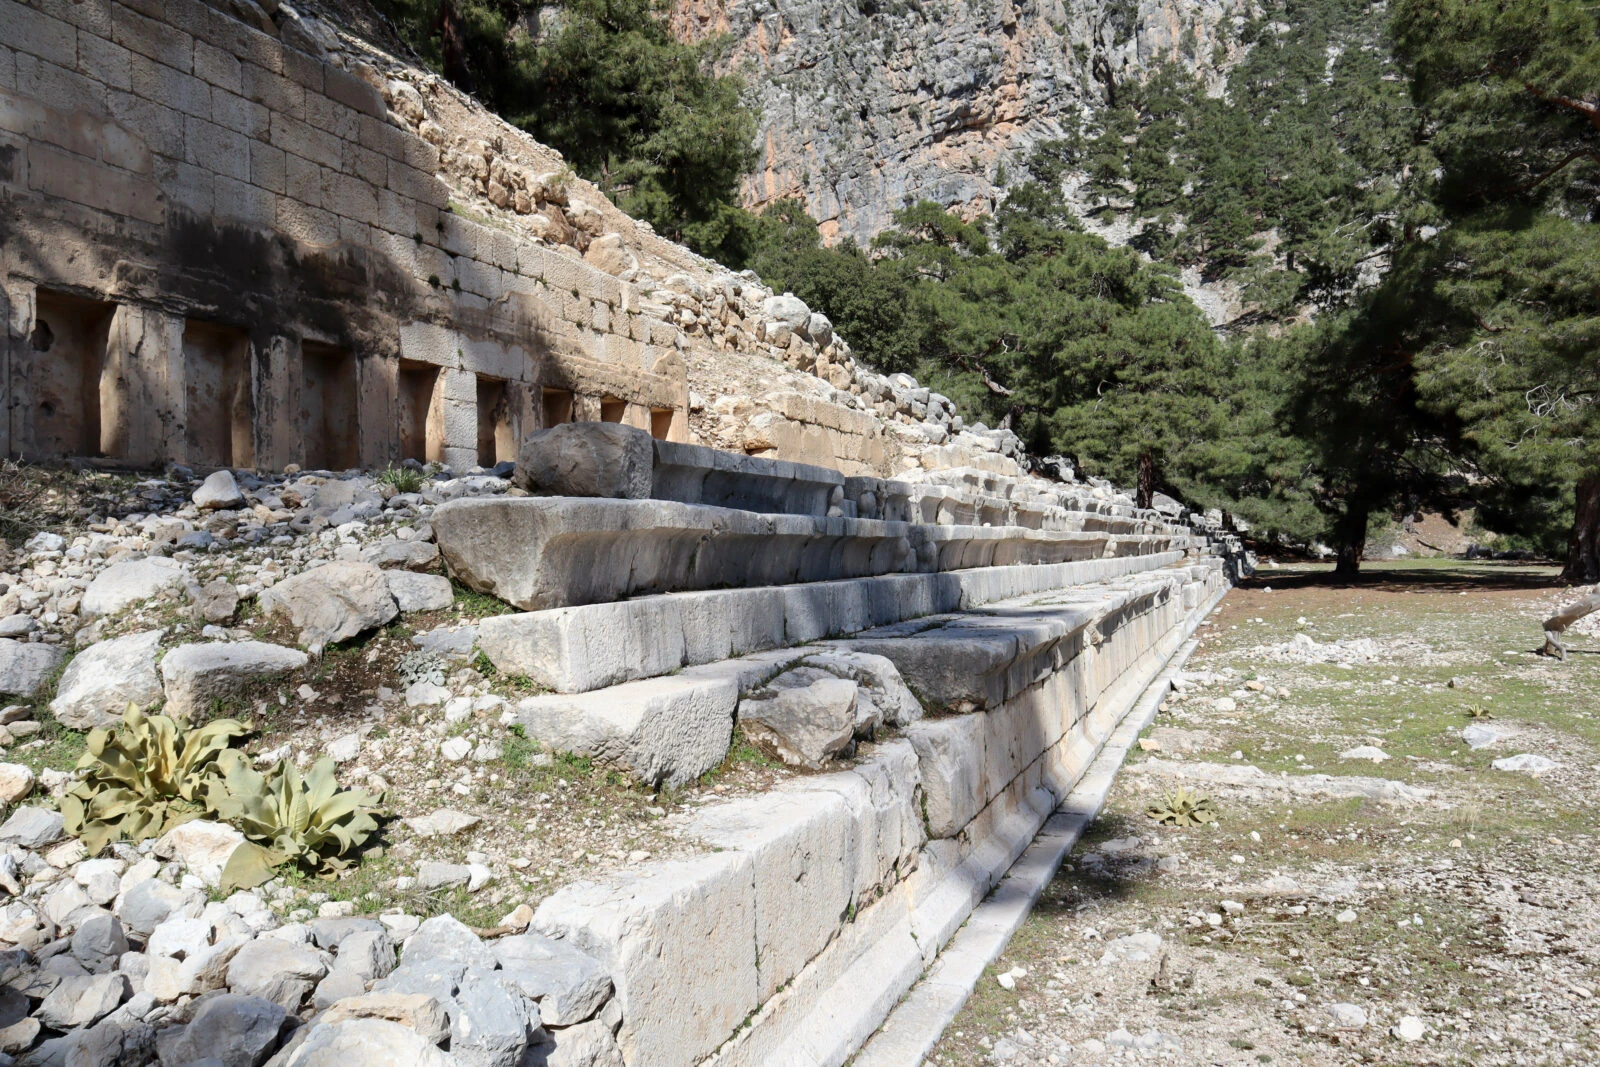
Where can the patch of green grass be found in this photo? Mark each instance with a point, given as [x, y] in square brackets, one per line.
[478, 605]
[741, 753]
[403, 479]
[61, 749]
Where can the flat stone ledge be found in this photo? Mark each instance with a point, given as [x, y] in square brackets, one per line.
[579, 649]
[549, 552]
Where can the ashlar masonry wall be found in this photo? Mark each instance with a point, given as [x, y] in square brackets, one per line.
[827, 899]
[218, 248]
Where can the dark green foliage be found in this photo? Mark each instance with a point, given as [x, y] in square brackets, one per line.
[604, 81]
[1302, 173]
[1084, 349]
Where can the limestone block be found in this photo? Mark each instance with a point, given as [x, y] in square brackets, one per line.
[586, 459]
[656, 927]
[894, 785]
[334, 602]
[880, 681]
[695, 474]
[124, 584]
[545, 553]
[950, 760]
[801, 845]
[24, 667]
[664, 730]
[805, 721]
[195, 674]
[580, 649]
[103, 679]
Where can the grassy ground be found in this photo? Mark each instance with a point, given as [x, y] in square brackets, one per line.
[1472, 911]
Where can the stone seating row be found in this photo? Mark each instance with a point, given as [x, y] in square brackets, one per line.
[590, 459]
[578, 649]
[547, 552]
[817, 905]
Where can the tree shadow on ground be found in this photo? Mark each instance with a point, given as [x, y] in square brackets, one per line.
[1466, 578]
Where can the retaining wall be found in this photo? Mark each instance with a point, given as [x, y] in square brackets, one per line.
[219, 247]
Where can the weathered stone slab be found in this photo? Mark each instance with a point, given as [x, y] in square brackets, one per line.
[103, 679]
[196, 674]
[950, 755]
[655, 928]
[24, 667]
[553, 552]
[663, 730]
[579, 649]
[802, 847]
[695, 474]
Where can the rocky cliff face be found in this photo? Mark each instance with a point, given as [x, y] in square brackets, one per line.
[866, 104]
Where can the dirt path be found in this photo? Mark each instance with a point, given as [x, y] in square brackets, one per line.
[1415, 906]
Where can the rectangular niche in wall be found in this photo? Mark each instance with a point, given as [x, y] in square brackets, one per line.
[661, 423]
[421, 437]
[216, 369]
[612, 409]
[328, 407]
[497, 436]
[557, 407]
[66, 355]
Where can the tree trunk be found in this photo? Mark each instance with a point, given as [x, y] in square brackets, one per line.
[1147, 479]
[1557, 624]
[1583, 547]
[453, 47]
[1350, 535]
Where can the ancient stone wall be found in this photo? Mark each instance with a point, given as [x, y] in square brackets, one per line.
[220, 249]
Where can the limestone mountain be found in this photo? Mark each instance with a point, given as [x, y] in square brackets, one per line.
[867, 105]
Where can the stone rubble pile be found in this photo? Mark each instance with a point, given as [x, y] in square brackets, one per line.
[202, 552]
[131, 959]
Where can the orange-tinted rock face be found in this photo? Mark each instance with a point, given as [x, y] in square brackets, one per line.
[868, 103]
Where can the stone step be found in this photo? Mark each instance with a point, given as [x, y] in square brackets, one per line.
[549, 552]
[577, 649]
[816, 906]
[674, 727]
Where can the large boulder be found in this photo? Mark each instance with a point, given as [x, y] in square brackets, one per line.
[804, 720]
[124, 584]
[789, 309]
[103, 679]
[25, 667]
[196, 674]
[276, 970]
[604, 459]
[334, 602]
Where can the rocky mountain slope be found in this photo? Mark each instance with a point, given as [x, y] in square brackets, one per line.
[866, 104]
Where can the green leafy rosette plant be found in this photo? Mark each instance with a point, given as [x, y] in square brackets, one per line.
[1183, 808]
[289, 818]
[144, 777]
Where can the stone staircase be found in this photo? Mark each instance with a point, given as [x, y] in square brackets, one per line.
[1026, 619]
